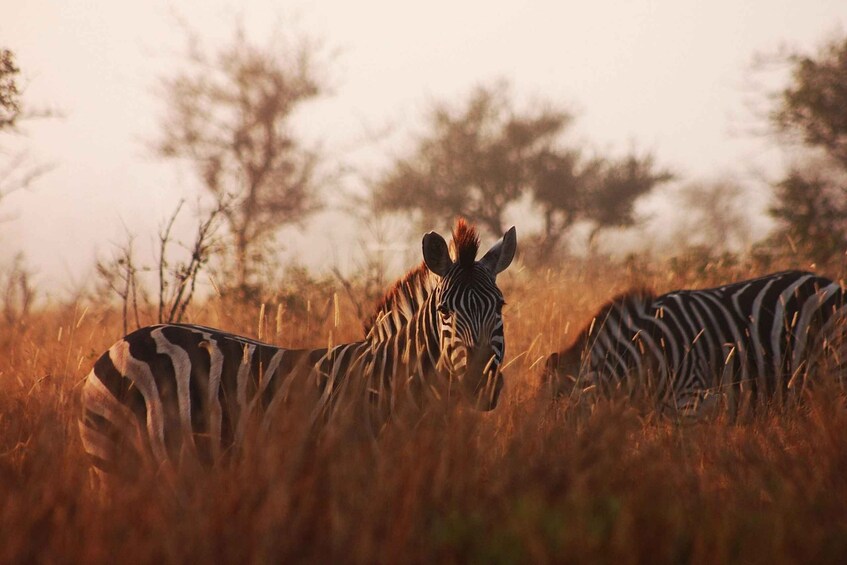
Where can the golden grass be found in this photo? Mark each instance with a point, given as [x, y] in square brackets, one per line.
[530, 482]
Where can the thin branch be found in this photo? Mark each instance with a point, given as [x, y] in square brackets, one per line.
[164, 238]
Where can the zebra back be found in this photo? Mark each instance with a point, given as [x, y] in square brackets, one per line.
[761, 336]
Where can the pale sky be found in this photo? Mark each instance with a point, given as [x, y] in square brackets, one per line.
[664, 76]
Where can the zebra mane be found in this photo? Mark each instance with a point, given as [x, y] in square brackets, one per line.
[465, 244]
[405, 296]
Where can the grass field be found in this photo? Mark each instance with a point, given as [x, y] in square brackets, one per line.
[531, 482]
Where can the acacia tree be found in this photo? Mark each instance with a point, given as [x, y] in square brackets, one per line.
[228, 113]
[471, 163]
[476, 161]
[603, 193]
[811, 201]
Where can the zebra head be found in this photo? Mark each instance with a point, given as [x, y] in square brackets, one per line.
[466, 310]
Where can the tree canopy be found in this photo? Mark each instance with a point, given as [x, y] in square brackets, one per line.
[814, 104]
[476, 160]
[811, 200]
[228, 112]
[812, 210]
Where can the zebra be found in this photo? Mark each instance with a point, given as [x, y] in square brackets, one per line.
[170, 391]
[756, 338]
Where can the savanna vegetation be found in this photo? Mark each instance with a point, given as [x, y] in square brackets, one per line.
[533, 481]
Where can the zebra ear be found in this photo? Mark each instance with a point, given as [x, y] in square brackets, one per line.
[435, 253]
[501, 253]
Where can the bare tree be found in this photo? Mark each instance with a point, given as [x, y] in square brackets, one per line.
[119, 275]
[229, 114]
[178, 281]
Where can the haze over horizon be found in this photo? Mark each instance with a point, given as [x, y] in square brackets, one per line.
[667, 77]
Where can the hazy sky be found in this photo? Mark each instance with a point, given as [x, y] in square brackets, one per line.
[665, 76]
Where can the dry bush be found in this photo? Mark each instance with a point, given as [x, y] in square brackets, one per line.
[529, 482]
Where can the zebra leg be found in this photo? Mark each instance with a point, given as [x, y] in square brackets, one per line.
[698, 397]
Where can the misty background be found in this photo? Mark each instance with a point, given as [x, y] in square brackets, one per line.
[684, 90]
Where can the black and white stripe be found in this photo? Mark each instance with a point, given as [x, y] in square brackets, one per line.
[761, 336]
[167, 392]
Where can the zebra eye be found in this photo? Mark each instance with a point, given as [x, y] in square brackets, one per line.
[443, 310]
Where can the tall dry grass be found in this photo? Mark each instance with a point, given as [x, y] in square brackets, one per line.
[529, 482]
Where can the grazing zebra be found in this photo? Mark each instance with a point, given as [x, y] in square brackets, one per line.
[169, 391]
[757, 337]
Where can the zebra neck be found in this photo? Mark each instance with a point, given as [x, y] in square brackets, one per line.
[341, 359]
[403, 355]
[401, 305]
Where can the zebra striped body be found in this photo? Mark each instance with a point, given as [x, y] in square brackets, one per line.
[169, 391]
[166, 392]
[758, 335]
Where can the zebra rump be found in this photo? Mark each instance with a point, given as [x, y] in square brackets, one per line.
[756, 338]
[169, 391]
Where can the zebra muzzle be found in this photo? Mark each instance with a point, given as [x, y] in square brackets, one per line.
[483, 377]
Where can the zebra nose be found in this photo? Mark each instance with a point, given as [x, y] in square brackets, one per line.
[481, 359]
[488, 393]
